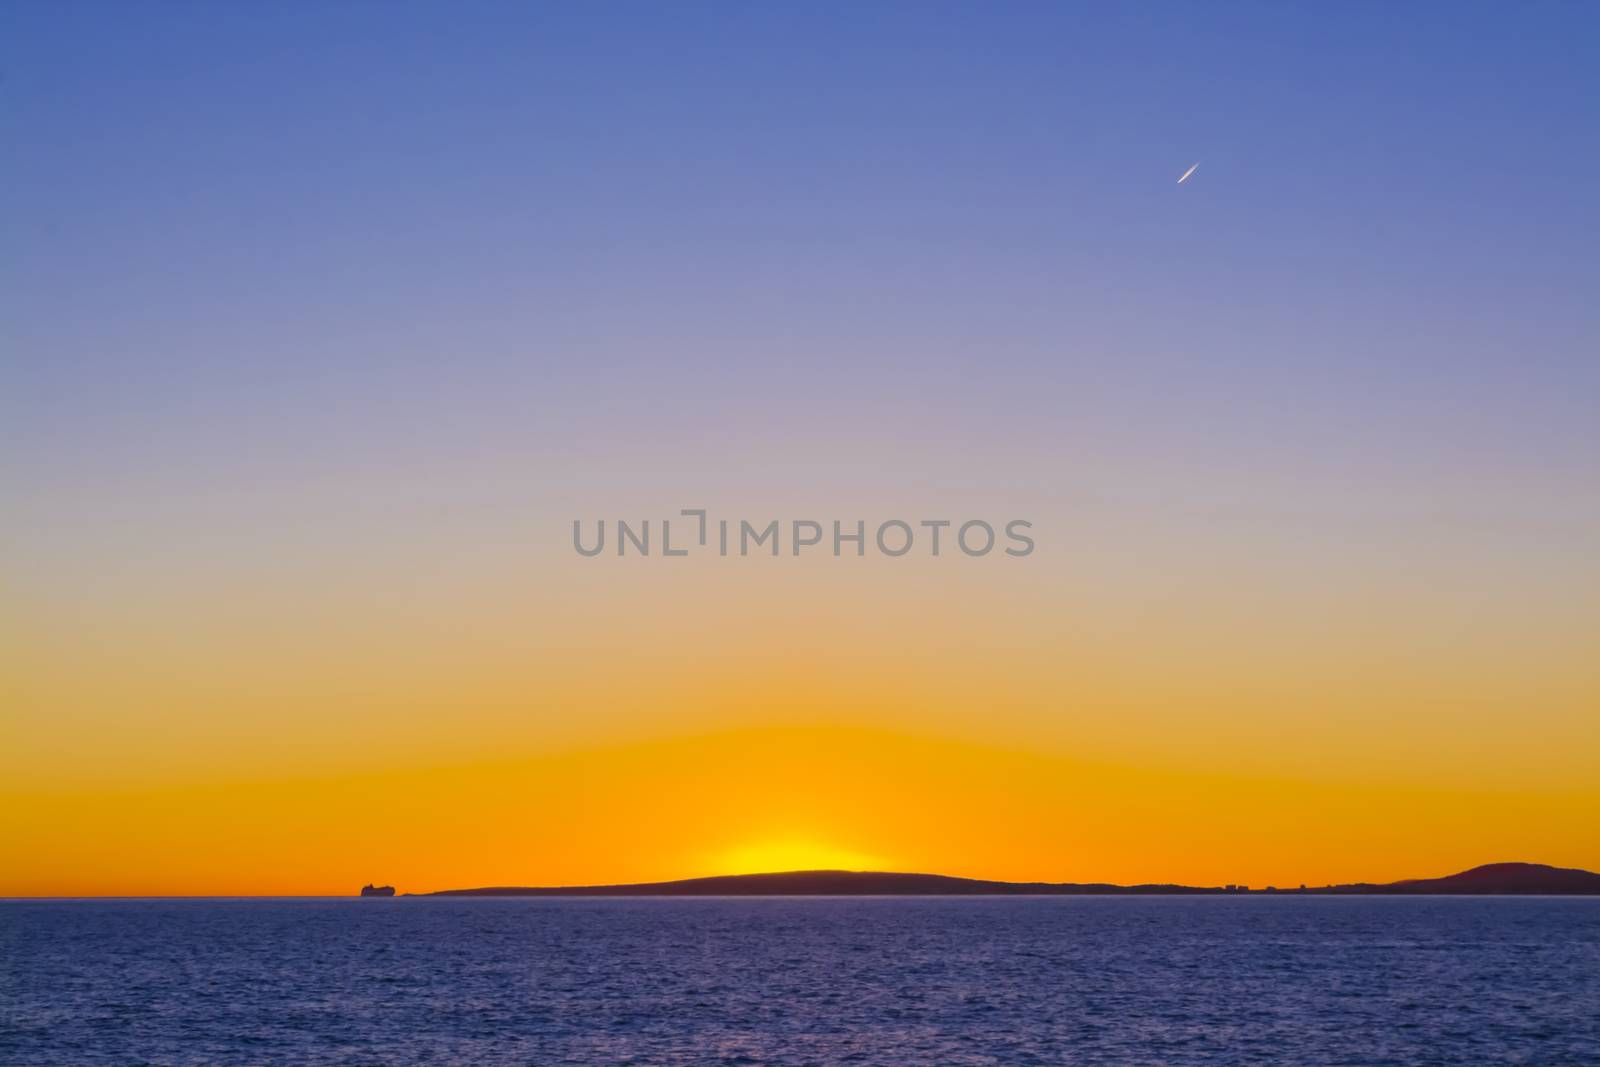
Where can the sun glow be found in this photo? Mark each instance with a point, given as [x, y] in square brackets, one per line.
[793, 855]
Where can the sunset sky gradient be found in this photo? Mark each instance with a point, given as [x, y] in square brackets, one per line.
[320, 325]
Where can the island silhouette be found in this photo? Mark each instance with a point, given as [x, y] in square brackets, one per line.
[1521, 879]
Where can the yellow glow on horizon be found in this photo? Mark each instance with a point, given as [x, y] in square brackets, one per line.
[793, 855]
[770, 799]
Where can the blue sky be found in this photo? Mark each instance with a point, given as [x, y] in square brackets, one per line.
[248, 243]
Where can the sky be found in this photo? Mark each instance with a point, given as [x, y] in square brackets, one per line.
[320, 325]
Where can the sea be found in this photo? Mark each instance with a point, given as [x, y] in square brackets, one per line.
[789, 981]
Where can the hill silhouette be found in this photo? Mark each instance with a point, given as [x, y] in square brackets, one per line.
[1528, 879]
[1525, 879]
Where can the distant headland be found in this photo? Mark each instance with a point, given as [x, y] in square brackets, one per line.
[1519, 879]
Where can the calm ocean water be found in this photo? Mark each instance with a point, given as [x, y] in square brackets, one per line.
[802, 981]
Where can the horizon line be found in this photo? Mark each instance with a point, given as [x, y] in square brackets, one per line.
[924, 884]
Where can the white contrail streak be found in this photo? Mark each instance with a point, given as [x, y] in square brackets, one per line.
[1186, 174]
